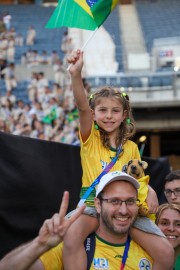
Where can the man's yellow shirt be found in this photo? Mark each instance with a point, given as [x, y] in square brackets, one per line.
[107, 256]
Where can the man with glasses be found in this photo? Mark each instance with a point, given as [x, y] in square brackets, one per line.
[116, 204]
[172, 187]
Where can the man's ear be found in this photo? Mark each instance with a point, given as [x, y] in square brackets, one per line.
[97, 205]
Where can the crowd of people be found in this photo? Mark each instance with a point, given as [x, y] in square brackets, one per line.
[106, 125]
[102, 125]
[9, 38]
[52, 116]
[50, 112]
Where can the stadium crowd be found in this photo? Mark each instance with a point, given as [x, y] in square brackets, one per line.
[50, 113]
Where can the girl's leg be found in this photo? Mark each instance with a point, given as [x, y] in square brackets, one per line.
[74, 255]
[159, 248]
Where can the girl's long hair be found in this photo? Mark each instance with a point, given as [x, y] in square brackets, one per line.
[127, 127]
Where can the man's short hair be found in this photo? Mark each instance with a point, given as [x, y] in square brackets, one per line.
[174, 175]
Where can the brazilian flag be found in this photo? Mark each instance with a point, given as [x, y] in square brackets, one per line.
[50, 117]
[73, 115]
[83, 14]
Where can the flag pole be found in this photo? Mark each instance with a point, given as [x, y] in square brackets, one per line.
[91, 36]
[85, 44]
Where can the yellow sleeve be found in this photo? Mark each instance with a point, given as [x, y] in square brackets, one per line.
[143, 190]
[52, 259]
[142, 195]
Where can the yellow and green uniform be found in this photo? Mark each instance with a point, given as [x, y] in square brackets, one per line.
[95, 157]
[107, 256]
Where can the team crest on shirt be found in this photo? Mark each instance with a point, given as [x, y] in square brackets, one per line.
[144, 264]
[101, 263]
[103, 164]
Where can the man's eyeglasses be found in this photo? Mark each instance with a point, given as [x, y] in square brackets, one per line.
[116, 202]
[176, 192]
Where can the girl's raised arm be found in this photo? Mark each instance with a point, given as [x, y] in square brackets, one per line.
[85, 116]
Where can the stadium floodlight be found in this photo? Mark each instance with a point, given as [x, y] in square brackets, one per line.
[176, 68]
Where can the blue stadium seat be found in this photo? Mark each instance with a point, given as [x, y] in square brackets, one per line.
[112, 26]
[167, 80]
[135, 82]
[2, 87]
[158, 19]
[124, 82]
[155, 81]
[23, 16]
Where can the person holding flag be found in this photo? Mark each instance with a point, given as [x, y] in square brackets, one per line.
[106, 126]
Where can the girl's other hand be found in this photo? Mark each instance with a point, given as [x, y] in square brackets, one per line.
[152, 201]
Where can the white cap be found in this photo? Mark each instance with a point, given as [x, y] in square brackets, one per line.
[115, 176]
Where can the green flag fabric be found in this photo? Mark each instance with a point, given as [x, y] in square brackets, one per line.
[50, 117]
[73, 115]
[84, 14]
[101, 10]
[69, 14]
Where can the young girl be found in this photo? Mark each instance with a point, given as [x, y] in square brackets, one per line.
[106, 123]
